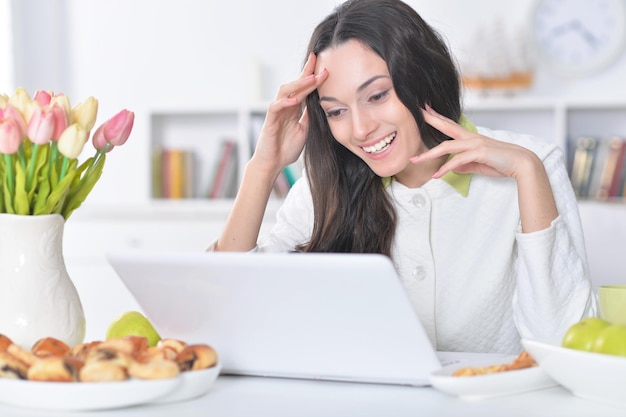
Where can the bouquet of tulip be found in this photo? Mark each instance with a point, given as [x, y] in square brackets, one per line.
[40, 141]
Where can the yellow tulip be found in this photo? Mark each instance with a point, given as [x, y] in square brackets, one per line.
[4, 99]
[72, 141]
[21, 101]
[85, 113]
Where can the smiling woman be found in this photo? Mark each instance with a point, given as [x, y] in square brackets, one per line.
[393, 167]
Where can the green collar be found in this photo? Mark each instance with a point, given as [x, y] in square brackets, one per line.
[459, 182]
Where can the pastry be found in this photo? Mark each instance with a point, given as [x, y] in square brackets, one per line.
[82, 349]
[171, 346]
[50, 346]
[4, 342]
[106, 354]
[130, 345]
[155, 353]
[22, 354]
[102, 371]
[11, 367]
[156, 369]
[194, 357]
[524, 360]
[55, 369]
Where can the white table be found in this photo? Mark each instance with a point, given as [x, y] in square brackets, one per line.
[104, 296]
[233, 396]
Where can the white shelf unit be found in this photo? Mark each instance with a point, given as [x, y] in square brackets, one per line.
[542, 118]
[202, 131]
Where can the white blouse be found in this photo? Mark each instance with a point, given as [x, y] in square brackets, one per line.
[477, 283]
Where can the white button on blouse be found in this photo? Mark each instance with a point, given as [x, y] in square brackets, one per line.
[419, 273]
[418, 201]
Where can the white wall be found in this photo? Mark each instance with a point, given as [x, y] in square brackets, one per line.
[6, 48]
[146, 54]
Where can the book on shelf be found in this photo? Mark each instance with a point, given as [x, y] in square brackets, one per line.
[581, 165]
[224, 184]
[172, 173]
[612, 168]
[157, 172]
[598, 167]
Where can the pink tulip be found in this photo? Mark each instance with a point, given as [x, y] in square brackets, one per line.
[43, 98]
[61, 121]
[63, 101]
[41, 126]
[10, 136]
[12, 112]
[115, 131]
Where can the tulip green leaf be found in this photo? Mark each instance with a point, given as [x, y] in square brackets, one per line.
[22, 205]
[44, 191]
[80, 192]
[59, 193]
[8, 201]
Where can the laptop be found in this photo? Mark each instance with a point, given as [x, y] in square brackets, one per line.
[340, 317]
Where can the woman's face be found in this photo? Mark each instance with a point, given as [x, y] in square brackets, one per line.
[364, 113]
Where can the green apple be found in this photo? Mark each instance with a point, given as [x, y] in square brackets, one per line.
[611, 340]
[133, 323]
[582, 335]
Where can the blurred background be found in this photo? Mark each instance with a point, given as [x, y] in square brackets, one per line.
[192, 54]
[199, 74]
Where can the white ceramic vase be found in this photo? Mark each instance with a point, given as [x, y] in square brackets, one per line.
[37, 297]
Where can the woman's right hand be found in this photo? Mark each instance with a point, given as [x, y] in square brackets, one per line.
[284, 131]
[280, 143]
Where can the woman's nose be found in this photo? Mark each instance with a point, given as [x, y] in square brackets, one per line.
[362, 124]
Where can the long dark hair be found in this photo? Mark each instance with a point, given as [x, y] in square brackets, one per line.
[352, 211]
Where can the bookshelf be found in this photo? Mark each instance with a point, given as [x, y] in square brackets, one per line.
[564, 122]
[218, 143]
[211, 139]
[203, 131]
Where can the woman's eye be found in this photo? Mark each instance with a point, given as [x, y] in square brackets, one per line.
[333, 113]
[379, 96]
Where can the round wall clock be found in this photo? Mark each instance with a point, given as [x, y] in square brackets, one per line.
[579, 37]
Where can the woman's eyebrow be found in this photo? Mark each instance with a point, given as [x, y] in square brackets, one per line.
[359, 89]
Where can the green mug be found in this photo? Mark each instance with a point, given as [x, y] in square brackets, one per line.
[612, 301]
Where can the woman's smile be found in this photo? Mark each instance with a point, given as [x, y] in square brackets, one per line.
[380, 146]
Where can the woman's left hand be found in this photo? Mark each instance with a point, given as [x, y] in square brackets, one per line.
[475, 153]
[478, 154]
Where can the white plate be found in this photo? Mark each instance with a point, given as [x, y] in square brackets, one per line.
[193, 384]
[492, 385]
[70, 396]
[593, 376]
